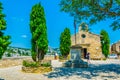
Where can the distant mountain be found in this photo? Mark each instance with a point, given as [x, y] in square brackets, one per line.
[16, 51]
[18, 48]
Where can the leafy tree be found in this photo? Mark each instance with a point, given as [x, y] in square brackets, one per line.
[19, 52]
[105, 42]
[39, 32]
[4, 40]
[93, 10]
[65, 42]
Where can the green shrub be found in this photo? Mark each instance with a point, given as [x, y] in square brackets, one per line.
[30, 64]
[118, 53]
[46, 64]
[8, 55]
[104, 59]
[60, 57]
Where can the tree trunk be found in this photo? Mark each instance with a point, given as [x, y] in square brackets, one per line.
[75, 29]
[40, 56]
[37, 57]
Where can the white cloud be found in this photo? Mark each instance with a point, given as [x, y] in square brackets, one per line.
[24, 36]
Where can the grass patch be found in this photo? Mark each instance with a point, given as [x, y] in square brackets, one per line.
[30, 64]
[46, 64]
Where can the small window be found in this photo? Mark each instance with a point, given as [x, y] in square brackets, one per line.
[83, 35]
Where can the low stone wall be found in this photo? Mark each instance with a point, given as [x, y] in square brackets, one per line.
[36, 69]
[9, 62]
[16, 58]
[49, 57]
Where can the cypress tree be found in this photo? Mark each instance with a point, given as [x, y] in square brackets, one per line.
[4, 40]
[105, 42]
[65, 42]
[39, 32]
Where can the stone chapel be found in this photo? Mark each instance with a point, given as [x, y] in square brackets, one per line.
[89, 42]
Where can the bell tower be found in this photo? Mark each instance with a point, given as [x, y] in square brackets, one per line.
[83, 27]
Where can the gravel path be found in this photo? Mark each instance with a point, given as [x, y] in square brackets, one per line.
[98, 70]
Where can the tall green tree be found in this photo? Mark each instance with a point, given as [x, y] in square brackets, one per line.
[93, 10]
[105, 43]
[65, 42]
[39, 32]
[4, 40]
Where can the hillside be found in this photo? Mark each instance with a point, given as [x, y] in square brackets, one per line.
[16, 51]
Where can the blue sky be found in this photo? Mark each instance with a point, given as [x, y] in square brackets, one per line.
[17, 17]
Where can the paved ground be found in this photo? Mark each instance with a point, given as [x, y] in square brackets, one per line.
[98, 70]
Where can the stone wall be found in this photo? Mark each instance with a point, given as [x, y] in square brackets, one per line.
[90, 41]
[49, 57]
[115, 48]
[118, 47]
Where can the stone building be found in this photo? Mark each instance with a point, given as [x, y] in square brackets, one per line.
[115, 48]
[89, 42]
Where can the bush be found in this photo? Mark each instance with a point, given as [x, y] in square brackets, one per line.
[104, 59]
[62, 58]
[46, 64]
[30, 64]
[118, 53]
[8, 55]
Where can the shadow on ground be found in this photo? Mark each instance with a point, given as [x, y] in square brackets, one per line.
[1, 79]
[88, 73]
